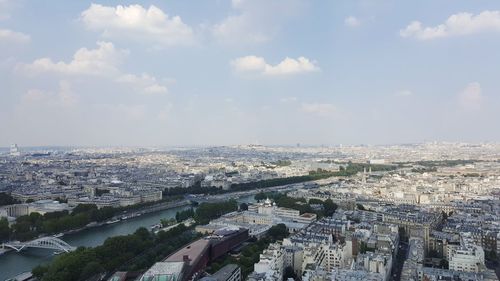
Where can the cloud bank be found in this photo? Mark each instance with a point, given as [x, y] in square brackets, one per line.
[10, 36]
[456, 25]
[138, 23]
[288, 66]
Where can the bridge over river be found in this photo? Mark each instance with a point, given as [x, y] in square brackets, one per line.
[52, 243]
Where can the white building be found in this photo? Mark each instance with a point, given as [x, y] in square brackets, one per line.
[14, 150]
[271, 263]
[467, 256]
[335, 256]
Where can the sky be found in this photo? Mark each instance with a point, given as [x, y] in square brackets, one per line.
[271, 72]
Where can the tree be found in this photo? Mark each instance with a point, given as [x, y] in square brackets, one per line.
[82, 208]
[278, 232]
[183, 215]
[315, 201]
[7, 199]
[135, 251]
[143, 233]
[329, 207]
[4, 230]
[167, 222]
[243, 206]
[39, 271]
[91, 269]
[260, 196]
[208, 211]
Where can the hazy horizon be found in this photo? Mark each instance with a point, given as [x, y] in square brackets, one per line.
[160, 73]
[188, 146]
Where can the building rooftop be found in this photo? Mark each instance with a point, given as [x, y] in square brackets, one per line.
[225, 272]
[164, 271]
[192, 252]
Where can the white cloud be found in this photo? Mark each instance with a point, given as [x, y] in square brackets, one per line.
[103, 61]
[255, 21]
[155, 89]
[456, 25]
[288, 99]
[64, 97]
[241, 26]
[288, 66]
[123, 112]
[471, 97]
[352, 21]
[138, 23]
[321, 109]
[404, 93]
[34, 96]
[10, 36]
[147, 83]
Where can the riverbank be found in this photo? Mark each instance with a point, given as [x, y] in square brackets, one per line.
[4, 250]
[130, 215]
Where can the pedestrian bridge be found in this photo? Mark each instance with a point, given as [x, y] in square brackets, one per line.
[51, 243]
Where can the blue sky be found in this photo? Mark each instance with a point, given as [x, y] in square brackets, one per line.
[236, 72]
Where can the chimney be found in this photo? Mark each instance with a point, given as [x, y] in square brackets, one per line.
[185, 258]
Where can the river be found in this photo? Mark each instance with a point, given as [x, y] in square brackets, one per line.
[13, 263]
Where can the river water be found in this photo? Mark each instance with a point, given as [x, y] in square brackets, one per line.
[13, 263]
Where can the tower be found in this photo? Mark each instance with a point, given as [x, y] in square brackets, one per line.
[14, 150]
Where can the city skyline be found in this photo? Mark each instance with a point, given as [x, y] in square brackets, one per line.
[156, 73]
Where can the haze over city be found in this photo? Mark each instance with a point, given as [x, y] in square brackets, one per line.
[159, 73]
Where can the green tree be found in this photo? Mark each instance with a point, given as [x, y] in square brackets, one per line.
[278, 232]
[260, 196]
[208, 211]
[7, 199]
[329, 207]
[315, 201]
[90, 269]
[243, 206]
[39, 271]
[83, 208]
[4, 230]
[183, 215]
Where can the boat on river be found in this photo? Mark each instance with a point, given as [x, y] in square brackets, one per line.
[112, 221]
[25, 276]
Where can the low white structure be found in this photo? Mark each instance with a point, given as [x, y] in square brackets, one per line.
[271, 263]
[467, 256]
